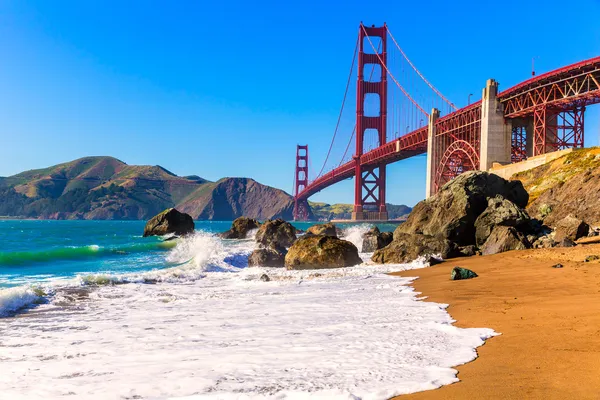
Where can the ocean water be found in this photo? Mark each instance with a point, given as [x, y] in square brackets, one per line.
[90, 309]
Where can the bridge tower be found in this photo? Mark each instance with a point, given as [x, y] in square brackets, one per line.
[300, 182]
[369, 187]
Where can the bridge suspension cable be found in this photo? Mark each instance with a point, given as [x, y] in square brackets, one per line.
[419, 72]
[383, 64]
[337, 125]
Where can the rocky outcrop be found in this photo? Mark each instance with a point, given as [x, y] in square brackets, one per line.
[267, 257]
[475, 213]
[499, 212]
[240, 228]
[570, 228]
[407, 247]
[504, 238]
[276, 234]
[452, 212]
[327, 229]
[320, 251]
[374, 240]
[169, 221]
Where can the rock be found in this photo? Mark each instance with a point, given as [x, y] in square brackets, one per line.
[499, 212]
[327, 229]
[386, 238]
[468, 251]
[265, 278]
[531, 238]
[544, 242]
[431, 261]
[267, 257]
[169, 221]
[276, 234]
[459, 273]
[592, 258]
[374, 240]
[321, 251]
[504, 238]
[452, 212]
[557, 266]
[407, 247]
[571, 228]
[240, 228]
[371, 240]
[565, 242]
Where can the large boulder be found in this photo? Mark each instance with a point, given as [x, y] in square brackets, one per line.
[169, 221]
[452, 212]
[407, 247]
[374, 240]
[267, 257]
[240, 228]
[321, 251]
[499, 212]
[276, 233]
[327, 229]
[570, 228]
[504, 238]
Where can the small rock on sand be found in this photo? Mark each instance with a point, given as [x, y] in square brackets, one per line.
[459, 273]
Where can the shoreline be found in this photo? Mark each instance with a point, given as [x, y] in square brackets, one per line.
[548, 318]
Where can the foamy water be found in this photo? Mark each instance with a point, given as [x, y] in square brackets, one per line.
[210, 327]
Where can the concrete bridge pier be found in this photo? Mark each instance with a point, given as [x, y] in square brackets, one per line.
[431, 145]
[496, 133]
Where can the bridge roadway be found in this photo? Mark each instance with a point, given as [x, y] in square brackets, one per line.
[577, 84]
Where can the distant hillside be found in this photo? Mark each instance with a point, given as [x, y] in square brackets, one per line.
[107, 188]
[324, 211]
[567, 185]
[230, 198]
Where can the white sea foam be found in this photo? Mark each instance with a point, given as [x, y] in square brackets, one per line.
[355, 234]
[212, 329]
[16, 298]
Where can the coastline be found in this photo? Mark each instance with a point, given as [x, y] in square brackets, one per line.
[549, 347]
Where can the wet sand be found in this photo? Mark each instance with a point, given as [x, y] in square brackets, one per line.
[549, 319]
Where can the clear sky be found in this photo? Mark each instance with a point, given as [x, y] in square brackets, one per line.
[228, 88]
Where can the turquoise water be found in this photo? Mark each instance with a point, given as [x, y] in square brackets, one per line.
[34, 251]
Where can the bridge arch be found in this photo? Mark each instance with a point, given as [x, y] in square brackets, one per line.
[459, 157]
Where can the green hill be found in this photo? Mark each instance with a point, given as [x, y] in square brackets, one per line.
[324, 211]
[107, 188]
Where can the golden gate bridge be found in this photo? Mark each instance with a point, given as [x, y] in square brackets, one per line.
[400, 114]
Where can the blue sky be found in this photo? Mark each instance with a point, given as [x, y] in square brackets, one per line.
[229, 88]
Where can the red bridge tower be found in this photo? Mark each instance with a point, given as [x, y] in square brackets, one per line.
[300, 182]
[369, 188]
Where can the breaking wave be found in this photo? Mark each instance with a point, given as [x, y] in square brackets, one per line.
[17, 258]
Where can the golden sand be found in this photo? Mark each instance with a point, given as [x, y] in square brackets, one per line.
[549, 319]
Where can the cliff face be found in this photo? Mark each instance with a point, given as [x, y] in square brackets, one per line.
[567, 185]
[107, 188]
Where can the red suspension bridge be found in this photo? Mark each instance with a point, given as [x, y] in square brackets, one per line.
[391, 123]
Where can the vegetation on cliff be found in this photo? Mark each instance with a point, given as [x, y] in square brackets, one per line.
[566, 186]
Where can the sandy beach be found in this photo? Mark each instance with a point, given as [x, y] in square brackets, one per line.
[549, 319]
